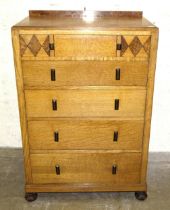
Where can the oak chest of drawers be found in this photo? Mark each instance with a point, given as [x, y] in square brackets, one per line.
[85, 98]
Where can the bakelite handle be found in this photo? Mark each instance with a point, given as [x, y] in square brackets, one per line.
[53, 75]
[115, 136]
[118, 74]
[54, 104]
[116, 104]
[56, 136]
[114, 169]
[57, 168]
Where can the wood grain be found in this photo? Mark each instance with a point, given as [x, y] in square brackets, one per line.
[84, 73]
[86, 168]
[79, 14]
[85, 134]
[85, 58]
[84, 103]
[149, 101]
[21, 106]
[84, 45]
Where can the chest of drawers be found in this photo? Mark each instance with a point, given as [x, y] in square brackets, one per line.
[85, 100]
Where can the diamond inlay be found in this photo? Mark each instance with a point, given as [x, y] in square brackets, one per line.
[146, 45]
[34, 45]
[45, 45]
[23, 45]
[124, 45]
[135, 46]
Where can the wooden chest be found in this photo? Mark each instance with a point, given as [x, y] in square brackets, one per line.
[85, 99]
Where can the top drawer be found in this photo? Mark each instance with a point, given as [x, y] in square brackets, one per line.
[83, 47]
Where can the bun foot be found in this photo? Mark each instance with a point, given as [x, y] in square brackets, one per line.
[141, 196]
[31, 196]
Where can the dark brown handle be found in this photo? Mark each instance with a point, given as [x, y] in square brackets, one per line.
[57, 168]
[56, 136]
[51, 46]
[119, 47]
[117, 74]
[114, 169]
[53, 77]
[116, 104]
[115, 136]
[54, 104]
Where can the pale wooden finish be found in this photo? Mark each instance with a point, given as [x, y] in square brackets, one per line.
[22, 108]
[101, 23]
[85, 58]
[86, 168]
[85, 103]
[149, 99]
[84, 187]
[85, 134]
[88, 73]
[84, 46]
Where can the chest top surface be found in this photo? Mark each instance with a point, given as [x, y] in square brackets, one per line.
[78, 20]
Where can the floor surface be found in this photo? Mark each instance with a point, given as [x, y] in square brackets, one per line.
[12, 189]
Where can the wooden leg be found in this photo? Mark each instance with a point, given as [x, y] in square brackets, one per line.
[141, 196]
[31, 196]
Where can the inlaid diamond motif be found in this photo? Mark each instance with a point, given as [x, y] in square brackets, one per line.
[135, 46]
[146, 45]
[23, 46]
[34, 45]
[124, 45]
[45, 45]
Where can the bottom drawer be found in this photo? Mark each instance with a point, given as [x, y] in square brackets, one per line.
[86, 167]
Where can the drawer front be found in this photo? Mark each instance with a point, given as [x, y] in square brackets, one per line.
[88, 167]
[82, 103]
[84, 46]
[88, 73]
[85, 134]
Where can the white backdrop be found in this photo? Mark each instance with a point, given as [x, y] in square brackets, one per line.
[12, 11]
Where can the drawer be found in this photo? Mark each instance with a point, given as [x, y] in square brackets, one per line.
[84, 46]
[83, 103]
[84, 73]
[87, 167]
[85, 134]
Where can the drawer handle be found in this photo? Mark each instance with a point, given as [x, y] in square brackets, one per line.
[117, 74]
[115, 136]
[114, 169]
[57, 168]
[53, 78]
[51, 46]
[56, 136]
[54, 104]
[116, 104]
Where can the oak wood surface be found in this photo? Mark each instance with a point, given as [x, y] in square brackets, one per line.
[84, 73]
[90, 187]
[86, 168]
[85, 92]
[84, 45]
[149, 102]
[79, 14]
[21, 106]
[85, 134]
[83, 103]
[69, 19]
